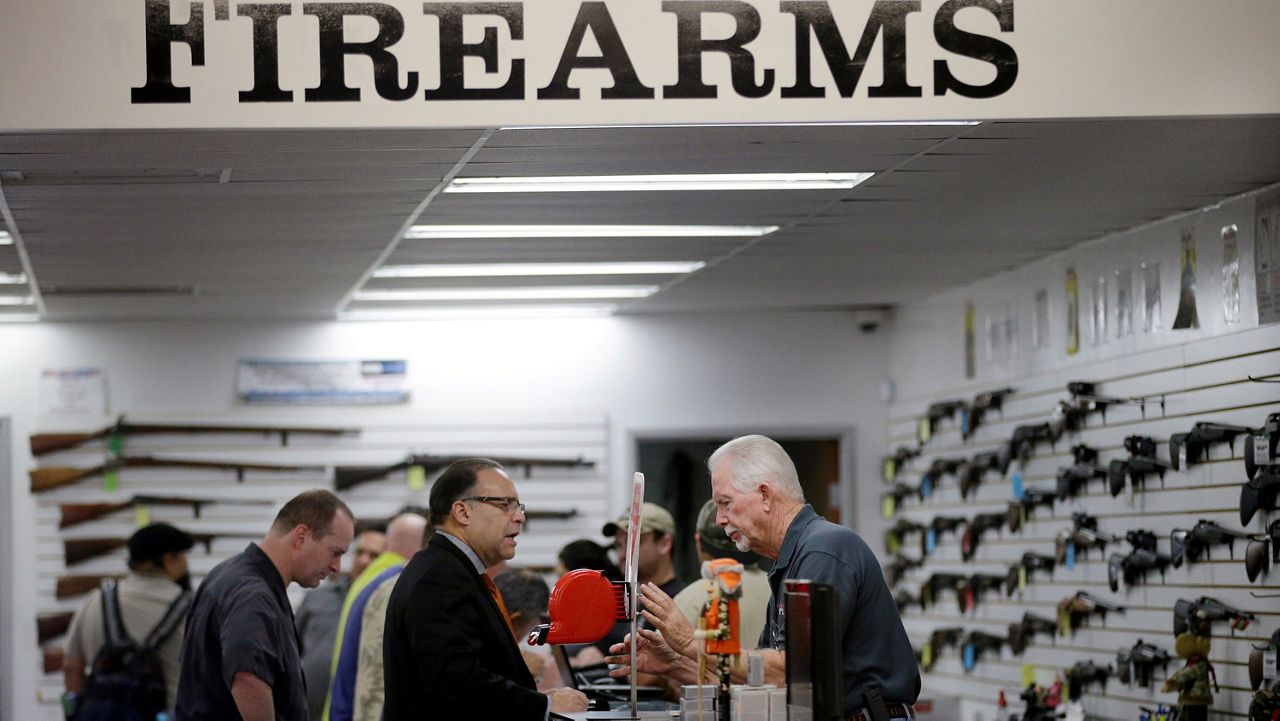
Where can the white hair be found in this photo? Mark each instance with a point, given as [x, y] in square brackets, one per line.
[758, 459]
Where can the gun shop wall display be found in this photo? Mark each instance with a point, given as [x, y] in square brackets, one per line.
[1069, 519]
[223, 479]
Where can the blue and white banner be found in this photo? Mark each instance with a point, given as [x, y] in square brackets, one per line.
[321, 382]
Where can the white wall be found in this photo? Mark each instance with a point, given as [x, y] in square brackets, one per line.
[774, 373]
[1204, 374]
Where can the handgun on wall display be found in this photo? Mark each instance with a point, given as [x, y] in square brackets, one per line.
[1024, 508]
[1081, 536]
[1023, 632]
[1262, 551]
[894, 535]
[972, 471]
[970, 594]
[1141, 462]
[938, 526]
[905, 599]
[1198, 616]
[1076, 477]
[1187, 449]
[1074, 611]
[940, 639]
[1135, 565]
[899, 493]
[1022, 570]
[1137, 663]
[972, 416]
[1260, 448]
[975, 529]
[936, 584]
[978, 643]
[1083, 674]
[938, 468]
[1262, 469]
[1188, 545]
[891, 466]
[899, 565]
[928, 424]
[1022, 444]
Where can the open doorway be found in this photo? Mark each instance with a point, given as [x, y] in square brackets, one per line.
[676, 478]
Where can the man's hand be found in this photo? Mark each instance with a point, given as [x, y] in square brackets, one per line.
[662, 614]
[567, 700]
[653, 656]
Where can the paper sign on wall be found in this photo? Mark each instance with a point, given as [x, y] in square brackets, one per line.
[1040, 329]
[73, 392]
[322, 382]
[1187, 316]
[1230, 275]
[1151, 297]
[1073, 313]
[1124, 302]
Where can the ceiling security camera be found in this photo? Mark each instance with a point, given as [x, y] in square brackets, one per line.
[869, 320]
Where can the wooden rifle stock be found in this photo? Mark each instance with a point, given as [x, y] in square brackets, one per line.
[72, 586]
[52, 625]
[53, 659]
[49, 478]
[345, 477]
[73, 514]
[43, 443]
[79, 550]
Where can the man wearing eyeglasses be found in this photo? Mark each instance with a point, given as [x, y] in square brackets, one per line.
[449, 648]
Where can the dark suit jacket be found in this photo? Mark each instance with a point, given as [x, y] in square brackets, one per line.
[448, 651]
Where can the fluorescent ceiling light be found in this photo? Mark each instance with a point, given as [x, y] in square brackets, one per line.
[489, 312]
[814, 124]
[5, 238]
[13, 278]
[19, 318]
[493, 270]
[17, 300]
[428, 232]
[690, 181]
[584, 292]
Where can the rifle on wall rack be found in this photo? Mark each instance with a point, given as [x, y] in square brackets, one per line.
[52, 659]
[74, 514]
[52, 625]
[43, 443]
[346, 477]
[51, 477]
[72, 586]
[79, 550]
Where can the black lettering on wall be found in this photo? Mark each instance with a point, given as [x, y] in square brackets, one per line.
[690, 47]
[979, 47]
[334, 50]
[266, 52]
[162, 35]
[452, 51]
[888, 20]
[594, 16]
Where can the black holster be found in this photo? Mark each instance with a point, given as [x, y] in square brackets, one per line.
[875, 704]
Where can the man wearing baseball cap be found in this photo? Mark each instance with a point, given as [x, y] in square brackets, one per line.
[157, 575]
[713, 542]
[657, 538]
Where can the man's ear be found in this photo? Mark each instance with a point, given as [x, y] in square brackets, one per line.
[299, 535]
[766, 494]
[461, 513]
[666, 543]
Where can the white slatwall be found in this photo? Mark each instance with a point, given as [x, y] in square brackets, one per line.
[548, 435]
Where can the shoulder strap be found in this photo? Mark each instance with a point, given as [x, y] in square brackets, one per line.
[111, 622]
[175, 615]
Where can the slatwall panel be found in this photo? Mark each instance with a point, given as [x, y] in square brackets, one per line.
[545, 435]
[1207, 382]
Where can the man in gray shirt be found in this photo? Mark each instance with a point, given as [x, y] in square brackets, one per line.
[760, 504]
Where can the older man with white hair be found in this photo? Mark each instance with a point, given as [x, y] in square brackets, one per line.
[760, 504]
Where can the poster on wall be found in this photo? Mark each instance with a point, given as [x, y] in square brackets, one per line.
[1001, 335]
[970, 320]
[1187, 316]
[1230, 275]
[1040, 329]
[1151, 322]
[1124, 302]
[73, 392]
[1098, 312]
[265, 381]
[1266, 256]
[1073, 313]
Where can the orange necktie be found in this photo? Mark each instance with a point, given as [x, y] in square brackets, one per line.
[497, 598]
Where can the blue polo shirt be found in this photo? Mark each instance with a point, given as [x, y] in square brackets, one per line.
[875, 644]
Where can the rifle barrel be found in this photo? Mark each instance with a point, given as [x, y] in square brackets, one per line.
[53, 659]
[42, 443]
[72, 586]
[52, 625]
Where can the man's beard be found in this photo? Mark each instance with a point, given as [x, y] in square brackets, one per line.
[743, 543]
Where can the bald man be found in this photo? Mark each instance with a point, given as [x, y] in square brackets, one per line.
[405, 535]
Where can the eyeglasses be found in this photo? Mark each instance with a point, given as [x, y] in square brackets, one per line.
[508, 504]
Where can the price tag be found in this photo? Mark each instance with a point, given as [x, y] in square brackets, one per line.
[1182, 456]
[1028, 675]
[930, 541]
[1262, 449]
[111, 481]
[141, 516]
[115, 444]
[1022, 581]
[926, 654]
[924, 431]
[888, 506]
[892, 543]
[1016, 479]
[1071, 556]
[416, 478]
[890, 470]
[1269, 664]
[970, 656]
[1064, 624]
[926, 486]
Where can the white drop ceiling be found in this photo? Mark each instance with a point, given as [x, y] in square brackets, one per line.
[288, 224]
